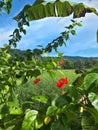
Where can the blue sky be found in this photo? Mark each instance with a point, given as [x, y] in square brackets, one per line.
[45, 30]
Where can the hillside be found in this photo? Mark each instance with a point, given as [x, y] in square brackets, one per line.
[22, 52]
[80, 57]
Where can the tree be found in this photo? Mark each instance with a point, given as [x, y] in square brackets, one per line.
[90, 63]
[78, 64]
[68, 64]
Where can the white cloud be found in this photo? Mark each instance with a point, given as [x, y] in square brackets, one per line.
[92, 3]
[43, 31]
[4, 35]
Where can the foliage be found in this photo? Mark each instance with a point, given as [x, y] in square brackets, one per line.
[5, 5]
[65, 62]
[43, 111]
[79, 63]
[41, 9]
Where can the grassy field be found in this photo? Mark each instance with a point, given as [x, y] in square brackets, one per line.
[47, 85]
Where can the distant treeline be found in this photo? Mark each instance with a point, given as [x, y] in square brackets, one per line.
[76, 62]
[70, 62]
[80, 63]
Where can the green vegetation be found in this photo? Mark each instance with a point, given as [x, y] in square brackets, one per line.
[47, 85]
[33, 95]
[70, 62]
[80, 63]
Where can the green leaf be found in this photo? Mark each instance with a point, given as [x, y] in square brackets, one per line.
[60, 72]
[54, 64]
[58, 8]
[64, 120]
[43, 98]
[73, 32]
[15, 111]
[36, 72]
[27, 104]
[89, 80]
[71, 115]
[7, 1]
[93, 112]
[93, 99]
[79, 24]
[63, 8]
[38, 124]
[73, 90]
[60, 54]
[79, 80]
[79, 10]
[58, 125]
[29, 120]
[52, 111]
[61, 101]
[14, 107]
[51, 73]
[4, 109]
[19, 81]
[49, 66]
[10, 120]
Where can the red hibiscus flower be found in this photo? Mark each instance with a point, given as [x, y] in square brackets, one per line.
[36, 80]
[61, 82]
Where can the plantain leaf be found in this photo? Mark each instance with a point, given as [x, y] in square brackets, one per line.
[41, 9]
[63, 8]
